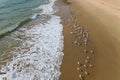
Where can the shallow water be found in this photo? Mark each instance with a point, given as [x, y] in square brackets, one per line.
[34, 50]
[12, 12]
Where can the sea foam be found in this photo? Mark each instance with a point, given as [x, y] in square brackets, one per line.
[46, 9]
[40, 57]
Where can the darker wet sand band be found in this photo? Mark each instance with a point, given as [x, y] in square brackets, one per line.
[79, 53]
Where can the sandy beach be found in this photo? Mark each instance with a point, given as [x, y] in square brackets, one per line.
[66, 40]
[101, 17]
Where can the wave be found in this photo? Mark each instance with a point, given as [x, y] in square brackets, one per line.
[12, 29]
[24, 22]
[1, 19]
[43, 60]
[21, 2]
[16, 11]
[14, 4]
[40, 57]
[45, 9]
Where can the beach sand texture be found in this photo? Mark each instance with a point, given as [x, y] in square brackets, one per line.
[102, 18]
[91, 30]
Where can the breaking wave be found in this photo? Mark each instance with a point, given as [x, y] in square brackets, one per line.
[40, 55]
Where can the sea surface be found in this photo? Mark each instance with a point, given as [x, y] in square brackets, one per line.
[33, 48]
[12, 12]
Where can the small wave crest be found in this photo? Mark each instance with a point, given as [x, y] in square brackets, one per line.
[39, 57]
[44, 9]
[11, 29]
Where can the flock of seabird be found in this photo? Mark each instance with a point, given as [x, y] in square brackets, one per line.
[81, 39]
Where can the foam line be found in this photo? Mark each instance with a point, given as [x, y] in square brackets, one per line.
[40, 57]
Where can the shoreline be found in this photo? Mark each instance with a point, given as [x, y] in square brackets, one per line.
[94, 55]
[103, 27]
[74, 53]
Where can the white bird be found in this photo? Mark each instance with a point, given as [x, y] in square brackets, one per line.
[87, 73]
[81, 77]
[90, 65]
[85, 51]
[88, 57]
[78, 62]
[91, 51]
[78, 68]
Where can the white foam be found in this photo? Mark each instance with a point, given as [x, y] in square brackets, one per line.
[40, 57]
[44, 57]
[46, 9]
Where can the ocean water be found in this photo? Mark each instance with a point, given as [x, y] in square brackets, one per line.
[34, 51]
[12, 12]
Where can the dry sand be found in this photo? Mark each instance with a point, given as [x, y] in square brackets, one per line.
[102, 18]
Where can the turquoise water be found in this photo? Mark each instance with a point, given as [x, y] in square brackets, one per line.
[13, 12]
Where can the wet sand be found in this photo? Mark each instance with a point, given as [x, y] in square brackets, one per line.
[79, 58]
[101, 17]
